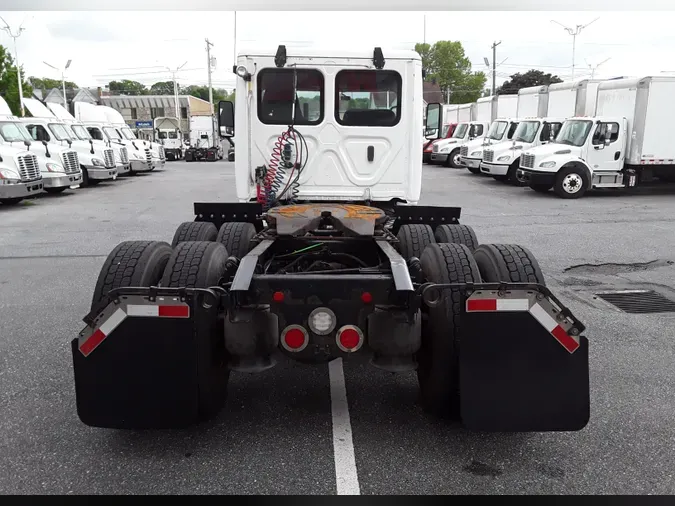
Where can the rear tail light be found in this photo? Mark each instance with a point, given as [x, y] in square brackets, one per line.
[349, 338]
[294, 338]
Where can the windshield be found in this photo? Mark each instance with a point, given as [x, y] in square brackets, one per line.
[574, 133]
[444, 132]
[512, 130]
[497, 130]
[162, 135]
[80, 132]
[112, 133]
[59, 131]
[526, 131]
[460, 131]
[173, 135]
[129, 134]
[14, 132]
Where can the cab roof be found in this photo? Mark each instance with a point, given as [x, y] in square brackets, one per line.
[365, 52]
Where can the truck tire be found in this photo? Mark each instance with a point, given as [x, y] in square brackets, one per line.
[201, 264]
[453, 159]
[512, 174]
[438, 357]
[413, 239]
[236, 237]
[474, 170]
[131, 263]
[195, 264]
[194, 231]
[571, 183]
[457, 234]
[508, 263]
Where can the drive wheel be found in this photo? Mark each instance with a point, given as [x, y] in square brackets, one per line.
[571, 183]
[131, 263]
[201, 264]
[194, 231]
[508, 263]
[457, 234]
[413, 239]
[438, 357]
[236, 237]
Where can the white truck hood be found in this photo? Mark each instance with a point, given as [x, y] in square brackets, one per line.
[444, 143]
[551, 149]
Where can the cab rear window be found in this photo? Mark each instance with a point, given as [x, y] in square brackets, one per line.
[368, 98]
[283, 92]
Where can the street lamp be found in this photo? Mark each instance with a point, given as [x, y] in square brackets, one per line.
[593, 68]
[63, 80]
[175, 87]
[16, 57]
[574, 33]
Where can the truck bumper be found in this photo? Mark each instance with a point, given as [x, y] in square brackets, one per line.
[141, 166]
[101, 173]
[61, 181]
[494, 169]
[123, 169]
[20, 190]
[426, 157]
[532, 177]
[472, 163]
[439, 157]
[158, 163]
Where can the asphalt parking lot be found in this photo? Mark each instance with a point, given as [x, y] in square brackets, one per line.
[276, 433]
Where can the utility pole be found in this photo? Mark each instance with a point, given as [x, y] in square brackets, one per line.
[63, 80]
[208, 56]
[574, 32]
[16, 58]
[494, 66]
[175, 88]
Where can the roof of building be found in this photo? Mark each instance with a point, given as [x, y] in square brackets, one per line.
[128, 101]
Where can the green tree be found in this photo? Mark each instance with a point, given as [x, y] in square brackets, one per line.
[203, 93]
[127, 87]
[162, 88]
[530, 78]
[45, 83]
[9, 84]
[446, 63]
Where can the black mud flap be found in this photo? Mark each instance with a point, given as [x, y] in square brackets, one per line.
[141, 362]
[522, 369]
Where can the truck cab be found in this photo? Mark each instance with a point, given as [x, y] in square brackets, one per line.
[471, 153]
[501, 160]
[96, 163]
[588, 152]
[446, 151]
[169, 135]
[20, 175]
[446, 132]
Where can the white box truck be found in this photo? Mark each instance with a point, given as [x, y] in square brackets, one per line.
[97, 163]
[577, 96]
[498, 110]
[626, 143]
[535, 127]
[446, 151]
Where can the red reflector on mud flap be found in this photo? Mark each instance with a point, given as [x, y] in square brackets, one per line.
[106, 327]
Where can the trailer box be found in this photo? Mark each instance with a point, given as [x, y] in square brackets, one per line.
[576, 96]
[533, 102]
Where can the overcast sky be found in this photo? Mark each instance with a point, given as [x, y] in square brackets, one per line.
[107, 46]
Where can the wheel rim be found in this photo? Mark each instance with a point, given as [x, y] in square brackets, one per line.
[572, 183]
[455, 159]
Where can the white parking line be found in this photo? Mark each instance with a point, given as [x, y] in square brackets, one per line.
[343, 447]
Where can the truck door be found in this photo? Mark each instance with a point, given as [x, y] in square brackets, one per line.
[606, 151]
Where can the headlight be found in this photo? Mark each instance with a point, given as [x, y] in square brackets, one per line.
[445, 150]
[98, 162]
[9, 177]
[504, 158]
[476, 154]
[53, 167]
[547, 165]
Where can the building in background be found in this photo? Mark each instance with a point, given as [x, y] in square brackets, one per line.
[139, 111]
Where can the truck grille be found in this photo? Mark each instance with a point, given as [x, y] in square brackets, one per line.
[71, 162]
[109, 158]
[28, 168]
[464, 151]
[488, 155]
[527, 161]
[435, 148]
[124, 155]
[148, 155]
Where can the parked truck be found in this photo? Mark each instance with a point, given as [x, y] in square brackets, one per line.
[624, 144]
[97, 163]
[450, 117]
[20, 175]
[447, 151]
[168, 133]
[535, 127]
[79, 131]
[58, 166]
[497, 110]
[203, 144]
[316, 265]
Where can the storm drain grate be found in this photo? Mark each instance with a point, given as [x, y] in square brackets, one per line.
[639, 301]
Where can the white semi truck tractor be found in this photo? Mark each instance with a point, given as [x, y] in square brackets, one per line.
[498, 111]
[169, 135]
[624, 144]
[20, 175]
[96, 162]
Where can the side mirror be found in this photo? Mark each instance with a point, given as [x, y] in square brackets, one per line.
[226, 118]
[434, 121]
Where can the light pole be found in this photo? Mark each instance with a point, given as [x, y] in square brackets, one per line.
[16, 57]
[63, 80]
[211, 63]
[175, 87]
[574, 32]
[595, 67]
